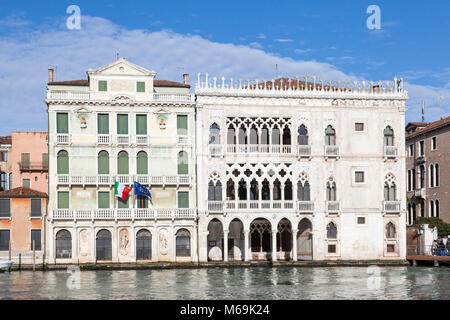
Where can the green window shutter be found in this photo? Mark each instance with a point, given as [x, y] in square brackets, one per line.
[183, 165]
[36, 210]
[142, 202]
[103, 163]
[122, 124]
[63, 200]
[25, 160]
[142, 163]
[36, 237]
[45, 161]
[140, 86]
[141, 124]
[102, 85]
[123, 204]
[183, 199]
[103, 123]
[62, 123]
[103, 200]
[26, 183]
[63, 163]
[182, 125]
[122, 163]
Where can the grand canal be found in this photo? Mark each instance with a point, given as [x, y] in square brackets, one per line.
[257, 283]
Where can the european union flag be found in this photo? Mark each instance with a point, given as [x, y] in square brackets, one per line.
[140, 189]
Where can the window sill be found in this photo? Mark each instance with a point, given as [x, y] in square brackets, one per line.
[5, 218]
[38, 218]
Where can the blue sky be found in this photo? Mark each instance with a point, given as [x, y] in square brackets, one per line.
[224, 38]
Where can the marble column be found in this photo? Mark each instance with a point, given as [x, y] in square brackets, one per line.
[247, 246]
[294, 245]
[225, 245]
[274, 245]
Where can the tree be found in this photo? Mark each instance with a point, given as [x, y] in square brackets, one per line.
[443, 228]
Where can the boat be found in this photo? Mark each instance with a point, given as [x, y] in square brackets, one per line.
[5, 265]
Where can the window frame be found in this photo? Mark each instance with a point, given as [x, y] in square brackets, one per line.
[37, 248]
[100, 82]
[9, 233]
[37, 200]
[2, 216]
[433, 143]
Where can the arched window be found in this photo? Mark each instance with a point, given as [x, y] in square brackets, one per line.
[254, 139]
[303, 191]
[63, 162]
[436, 172]
[276, 190]
[103, 162]
[103, 245]
[431, 175]
[63, 245]
[264, 135]
[122, 163]
[230, 190]
[330, 136]
[431, 208]
[275, 136]
[390, 231]
[437, 208]
[389, 191]
[265, 191]
[422, 176]
[143, 245]
[331, 191]
[242, 135]
[286, 136]
[288, 190]
[183, 163]
[254, 190]
[214, 191]
[242, 190]
[388, 136]
[142, 163]
[183, 243]
[331, 231]
[214, 134]
[302, 135]
[231, 135]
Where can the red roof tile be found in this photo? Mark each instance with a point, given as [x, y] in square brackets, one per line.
[429, 126]
[22, 192]
[167, 83]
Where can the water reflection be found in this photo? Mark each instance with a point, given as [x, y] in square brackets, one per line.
[256, 283]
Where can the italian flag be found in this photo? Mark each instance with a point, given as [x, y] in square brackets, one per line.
[121, 190]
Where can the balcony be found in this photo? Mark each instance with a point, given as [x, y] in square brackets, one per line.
[123, 140]
[122, 214]
[420, 159]
[332, 152]
[391, 206]
[62, 139]
[215, 206]
[33, 167]
[304, 151]
[141, 140]
[390, 152]
[233, 205]
[67, 95]
[85, 180]
[175, 180]
[107, 180]
[215, 150]
[258, 148]
[305, 206]
[103, 139]
[183, 140]
[166, 97]
[332, 206]
[420, 193]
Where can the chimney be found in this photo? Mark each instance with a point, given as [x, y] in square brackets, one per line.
[186, 79]
[50, 75]
[423, 111]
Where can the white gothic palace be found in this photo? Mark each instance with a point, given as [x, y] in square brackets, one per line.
[286, 169]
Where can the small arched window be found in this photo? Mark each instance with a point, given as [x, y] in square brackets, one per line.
[230, 190]
[331, 231]
[331, 191]
[63, 162]
[183, 163]
[436, 172]
[103, 162]
[242, 135]
[63, 245]
[275, 136]
[389, 192]
[183, 243]
[142, 163]
[431, 176]
[390, 231]
[254, 139]
[431, 208]
[303, 191]
[214, 191]
[214, 134]
[231, 135]
[286, 136]
[242, 190]
[302, 135]
[288, 190]
[122, 163]
[330, 136]
[437, 208]
[388, 136]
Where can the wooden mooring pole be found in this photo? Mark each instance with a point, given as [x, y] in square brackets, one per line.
[34, 255]
[9, 248]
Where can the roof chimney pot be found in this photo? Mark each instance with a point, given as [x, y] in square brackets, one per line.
[50, 75]
[186, 79]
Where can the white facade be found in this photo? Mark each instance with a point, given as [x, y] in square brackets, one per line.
[263, 155]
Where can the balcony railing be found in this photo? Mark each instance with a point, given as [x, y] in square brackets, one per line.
[67, 95]
[123, 139]
[215, 150]
[64, 179]
[420, 193]
[141, 140]
[167, 97]
[333, 206]
[390, 152]
[332, 152]
[122, 214]
[183, 140]
[164, 180]
[233, 205]
[103, 139]
[304, 151]
[259, 148]
[96, 180]
[391, 206]
[33, 166]
[62, 139]
[305, 206]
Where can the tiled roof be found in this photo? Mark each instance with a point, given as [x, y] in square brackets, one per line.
[5, 140]
[22, 192]
[429, 127]
[156, 83]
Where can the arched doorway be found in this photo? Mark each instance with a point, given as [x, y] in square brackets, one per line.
[236, 240]
[284, 239]
[261, 239]
[304, 240]
[103, 245]
[63, 245]
[143, 245]
[215, 240]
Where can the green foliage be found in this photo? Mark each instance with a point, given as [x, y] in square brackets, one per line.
[443, 228]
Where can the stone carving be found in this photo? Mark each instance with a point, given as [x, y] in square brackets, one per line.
[162, 123]
[163, 242]
[215, 254]
[84, 243]
[124, 241]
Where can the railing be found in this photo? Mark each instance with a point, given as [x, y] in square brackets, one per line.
[141, 140]
[305, 206]
[215, 150]
[391, 206]
[215, 206]
[332, 151]
[333, 206]
[183, 140]
[259, 148]
[176, 180]
[62, 138]
[164, 180]
[173, 97]
[33, 166]
[123, 139]
[420, 193]
[390, 152]
[258, 205]
[123, 214]
[304, 151]
[65, 179]
[103, 139]
[67, 95]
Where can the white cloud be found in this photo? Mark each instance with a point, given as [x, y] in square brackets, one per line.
[283, 40]
[26, 56]
[301, 51]
[262, 36]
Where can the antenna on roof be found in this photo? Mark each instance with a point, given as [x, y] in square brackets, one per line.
[423, 111]
[117, 56]
[276, 71]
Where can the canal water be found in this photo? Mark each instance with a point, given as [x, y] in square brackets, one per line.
[256, 283]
